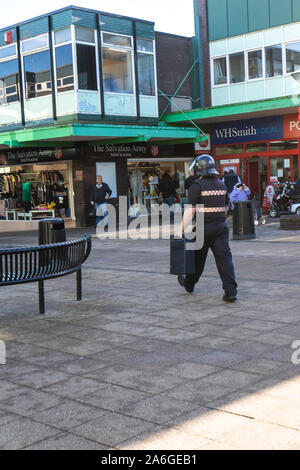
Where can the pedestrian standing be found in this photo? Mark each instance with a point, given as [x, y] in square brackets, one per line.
[240, 192]
[209, 191]
[100, 192]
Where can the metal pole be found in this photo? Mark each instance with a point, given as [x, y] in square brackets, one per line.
[79, 284]
[41, 297]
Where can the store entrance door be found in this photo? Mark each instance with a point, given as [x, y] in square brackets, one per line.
[253, 177]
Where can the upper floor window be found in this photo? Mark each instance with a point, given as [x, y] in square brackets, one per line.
[64, 60]
[255, 65]
[146, 67]
[220, 71]
[86, 59]
[292, 57]
[37, 74]
[8, 51]
[117, 63]
[39, 42]
[273, 60]
[237, 67]
[9, 81]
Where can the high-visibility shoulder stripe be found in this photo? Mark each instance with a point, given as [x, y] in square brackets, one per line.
[219, 192]
[208, 210]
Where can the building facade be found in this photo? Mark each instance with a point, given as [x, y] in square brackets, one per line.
[249, 64]
[79, 96]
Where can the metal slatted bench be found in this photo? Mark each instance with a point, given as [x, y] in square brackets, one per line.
[39, 263]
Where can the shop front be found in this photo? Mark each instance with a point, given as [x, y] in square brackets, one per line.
[36, 183]
[259, 150]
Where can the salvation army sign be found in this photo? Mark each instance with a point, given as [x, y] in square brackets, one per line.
[248, 130]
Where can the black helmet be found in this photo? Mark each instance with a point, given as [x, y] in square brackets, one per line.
[204, 165]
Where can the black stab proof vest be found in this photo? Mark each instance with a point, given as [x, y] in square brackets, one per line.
[212, 194]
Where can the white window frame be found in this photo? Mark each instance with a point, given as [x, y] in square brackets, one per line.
[287, 74]
[282, 60]
[95, 45]
[13, 56]
[213, 71]
[247, 64]
[123, 48]
[6, 59]
[54, 57]
[153, 53]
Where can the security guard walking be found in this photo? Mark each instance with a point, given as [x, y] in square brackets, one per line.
[209, 191]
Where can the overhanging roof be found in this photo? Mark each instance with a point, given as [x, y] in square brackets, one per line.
[236, 111]
[65, 135]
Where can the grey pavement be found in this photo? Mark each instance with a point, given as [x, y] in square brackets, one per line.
[141, 364]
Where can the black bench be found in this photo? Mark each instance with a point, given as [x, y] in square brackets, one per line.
[39, 263]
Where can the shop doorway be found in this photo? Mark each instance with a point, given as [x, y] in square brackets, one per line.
[254, 177]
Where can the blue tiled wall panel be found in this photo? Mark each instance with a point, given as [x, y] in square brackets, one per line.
[116, 25]
[34, 28]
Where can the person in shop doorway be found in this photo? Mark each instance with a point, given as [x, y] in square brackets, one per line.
[240, 192]
[100, 192]
[167, 189]
[209, 191]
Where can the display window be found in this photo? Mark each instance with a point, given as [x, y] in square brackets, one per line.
[35, 191]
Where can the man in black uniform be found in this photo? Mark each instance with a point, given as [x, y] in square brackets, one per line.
[212, 193]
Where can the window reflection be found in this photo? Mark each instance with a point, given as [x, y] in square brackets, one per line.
[64, 68]
[86, 67]
[9, 81]
[146, 74]
[273, 60]
[117, 70]
[37, 74]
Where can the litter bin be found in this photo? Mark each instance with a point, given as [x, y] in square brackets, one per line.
[51, 231]
[242, 221]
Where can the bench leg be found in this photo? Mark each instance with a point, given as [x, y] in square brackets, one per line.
[41, 297]
[79, 284]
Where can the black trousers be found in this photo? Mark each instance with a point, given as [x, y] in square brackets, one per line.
[216, 237]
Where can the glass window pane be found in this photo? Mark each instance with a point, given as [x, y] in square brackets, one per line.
[84, 35]
[86, 67]
[116, 40]
[255, 64]
[220, 71]
[284, 145]
[228, 149]
[146, 74]
[274, 60]
[237, 67]
[64, 35]
[64, 68]
[117, 71]
[259, 147]
[8, 51]
[292, 57]
[144, 45]
[35, 43]
[9, 78]
[37, 74]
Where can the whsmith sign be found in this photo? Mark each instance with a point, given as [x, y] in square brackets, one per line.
[248, 130]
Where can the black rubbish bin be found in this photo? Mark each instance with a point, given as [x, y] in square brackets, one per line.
[242, 221]
[51, 231]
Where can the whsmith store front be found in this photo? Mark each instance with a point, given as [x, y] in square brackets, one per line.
[258, 149]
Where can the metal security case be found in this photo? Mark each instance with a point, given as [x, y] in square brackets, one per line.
[182, 261]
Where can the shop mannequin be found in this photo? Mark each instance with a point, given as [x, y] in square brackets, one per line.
[26, 196]
[136, 184]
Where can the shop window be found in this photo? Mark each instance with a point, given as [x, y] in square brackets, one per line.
[256, 147]
[228, 149]
[295, 168]
[86, 67]
[9, 79]
[284, 145]
[64, 35]
[220, 71]
[273, 60]
[64, 68]
[37, 72]
[255, 69]
[117, 70]
[237, 67]
[146, 70]
[9, 51]
[292, 57]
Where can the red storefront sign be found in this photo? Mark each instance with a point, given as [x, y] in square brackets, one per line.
[291, 125]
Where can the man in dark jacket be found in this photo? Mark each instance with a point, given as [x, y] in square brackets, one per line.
[230, 180]
[100, 192]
